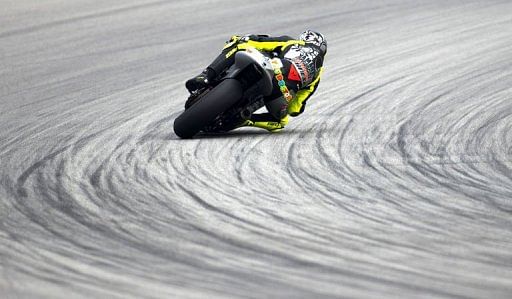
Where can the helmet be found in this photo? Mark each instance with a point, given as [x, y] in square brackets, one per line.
[315, 38]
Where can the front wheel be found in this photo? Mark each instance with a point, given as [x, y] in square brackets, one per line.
[200, 114]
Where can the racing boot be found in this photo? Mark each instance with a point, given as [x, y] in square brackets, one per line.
[200, 81]
[269, 125]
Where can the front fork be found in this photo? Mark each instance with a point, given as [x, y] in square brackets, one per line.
[256, 104]
[236, 116]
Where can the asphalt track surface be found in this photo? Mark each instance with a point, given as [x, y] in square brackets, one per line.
[395, 182]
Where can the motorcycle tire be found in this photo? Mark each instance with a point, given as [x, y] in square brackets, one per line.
[203, 112]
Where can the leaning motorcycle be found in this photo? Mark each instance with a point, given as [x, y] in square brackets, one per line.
[232, 98]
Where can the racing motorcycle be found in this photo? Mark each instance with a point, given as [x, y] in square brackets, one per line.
[232, 97]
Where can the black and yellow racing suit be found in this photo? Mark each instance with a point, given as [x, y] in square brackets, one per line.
[302, 66]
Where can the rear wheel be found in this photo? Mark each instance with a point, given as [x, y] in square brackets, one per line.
[200, 114]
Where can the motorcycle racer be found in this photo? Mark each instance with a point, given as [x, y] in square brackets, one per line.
[297, 74]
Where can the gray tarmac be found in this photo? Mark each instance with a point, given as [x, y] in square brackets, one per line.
[395, 183]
